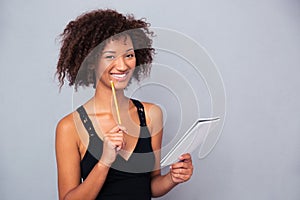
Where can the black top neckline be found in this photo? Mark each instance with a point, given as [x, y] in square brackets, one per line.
[87, 122]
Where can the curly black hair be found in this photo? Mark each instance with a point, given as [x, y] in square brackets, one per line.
[85, 37]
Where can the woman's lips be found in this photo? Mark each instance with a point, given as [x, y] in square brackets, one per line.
[119, 76]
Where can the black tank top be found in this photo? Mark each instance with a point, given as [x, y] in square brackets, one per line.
[126, 180]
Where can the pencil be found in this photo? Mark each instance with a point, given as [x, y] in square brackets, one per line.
[115, 101]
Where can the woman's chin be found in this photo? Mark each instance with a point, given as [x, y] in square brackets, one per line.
[121, 85]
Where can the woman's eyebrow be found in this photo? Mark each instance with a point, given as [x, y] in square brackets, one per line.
[131, 49]
[109, 52]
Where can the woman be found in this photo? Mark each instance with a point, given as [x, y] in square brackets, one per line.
[97, 157]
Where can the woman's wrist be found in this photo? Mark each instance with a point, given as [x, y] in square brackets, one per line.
[103, 164]
[170, 178]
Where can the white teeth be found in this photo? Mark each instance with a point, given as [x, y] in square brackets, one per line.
[119, 75]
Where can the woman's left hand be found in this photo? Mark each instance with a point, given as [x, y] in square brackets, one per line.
[182, 170]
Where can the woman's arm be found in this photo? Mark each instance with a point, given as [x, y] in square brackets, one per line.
[68, 163]
[179, 172]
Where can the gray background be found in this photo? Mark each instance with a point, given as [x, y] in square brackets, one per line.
[256, 46]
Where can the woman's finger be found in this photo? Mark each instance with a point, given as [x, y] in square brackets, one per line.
[182, 171]
[123, 129]
[185, 157]
[180, 165]
[114, 129]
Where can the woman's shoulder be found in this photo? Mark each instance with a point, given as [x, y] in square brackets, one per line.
[151, 108]
[67, 125]
[154, 116]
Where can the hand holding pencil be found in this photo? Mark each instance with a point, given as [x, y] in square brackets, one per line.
[114, 139]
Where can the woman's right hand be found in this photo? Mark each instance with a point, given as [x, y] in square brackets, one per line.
[113, 142]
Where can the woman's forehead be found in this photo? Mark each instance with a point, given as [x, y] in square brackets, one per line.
[121, 42]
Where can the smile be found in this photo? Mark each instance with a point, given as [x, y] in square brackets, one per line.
[119, 76]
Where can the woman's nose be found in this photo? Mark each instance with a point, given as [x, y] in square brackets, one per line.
[121, 64]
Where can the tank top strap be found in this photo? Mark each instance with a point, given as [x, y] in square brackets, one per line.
[86, 121]
[141, 112]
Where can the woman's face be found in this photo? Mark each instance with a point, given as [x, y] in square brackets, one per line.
[117, 63]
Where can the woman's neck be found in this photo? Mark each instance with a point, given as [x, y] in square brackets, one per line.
[104, 102]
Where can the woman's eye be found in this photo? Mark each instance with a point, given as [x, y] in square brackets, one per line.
[130, 55]
[109, 57]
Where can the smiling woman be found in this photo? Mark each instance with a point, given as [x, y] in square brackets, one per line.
[98, 158]
[83, 41]
[117, 62]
